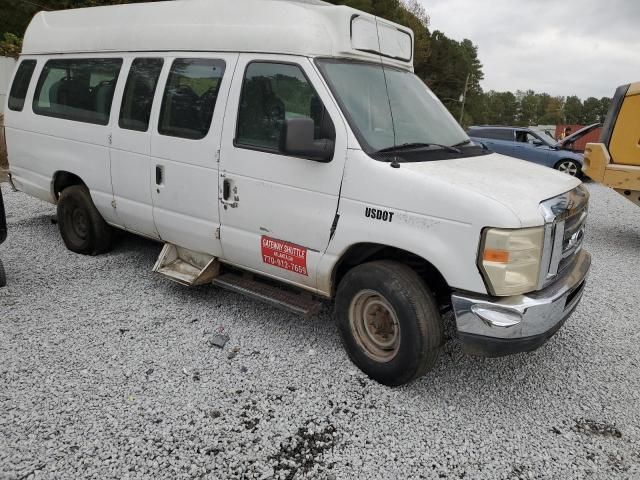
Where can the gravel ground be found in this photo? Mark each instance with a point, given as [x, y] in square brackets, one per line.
[107, 371]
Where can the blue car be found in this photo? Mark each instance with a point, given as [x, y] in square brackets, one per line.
[526, 144]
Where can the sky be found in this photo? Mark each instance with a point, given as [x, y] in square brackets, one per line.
[562, 47]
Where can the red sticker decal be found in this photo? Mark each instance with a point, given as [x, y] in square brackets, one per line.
[285, 255]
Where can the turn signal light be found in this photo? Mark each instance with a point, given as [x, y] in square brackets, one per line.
[499, 256]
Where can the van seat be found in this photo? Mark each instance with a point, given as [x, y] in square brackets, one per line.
[262, 112]
[206, 105]
[72, 94]
[182, 111]
[138, 106]
[103, 95]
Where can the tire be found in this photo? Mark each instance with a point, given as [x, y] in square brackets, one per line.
[3, 276]
[82, 228]
[570, 167]
[399, 302]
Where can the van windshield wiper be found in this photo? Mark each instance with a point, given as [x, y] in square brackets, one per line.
[417, 145]
[464, 142]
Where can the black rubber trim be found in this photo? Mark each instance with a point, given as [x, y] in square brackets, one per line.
[3, 221]
[612, 114]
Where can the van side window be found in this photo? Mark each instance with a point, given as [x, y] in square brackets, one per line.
[138, 93]
[21, 85]
[272, 93]
[190, 97]
[79, 89]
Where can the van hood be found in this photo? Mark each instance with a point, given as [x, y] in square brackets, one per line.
[518, 185]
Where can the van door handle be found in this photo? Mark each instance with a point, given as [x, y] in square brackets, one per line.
[226, 189]
[226, 193]
[159, 174]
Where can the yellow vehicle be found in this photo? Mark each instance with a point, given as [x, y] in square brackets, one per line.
[615, 160]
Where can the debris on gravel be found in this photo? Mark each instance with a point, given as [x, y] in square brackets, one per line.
[303, 452]
[591, 427]
[105, 375]
[218, 340]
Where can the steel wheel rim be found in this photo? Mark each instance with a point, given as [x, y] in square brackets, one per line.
[569, 168]
[374, 325]
[80, 223]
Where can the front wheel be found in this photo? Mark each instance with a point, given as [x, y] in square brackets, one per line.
[3, 276]
[570, 167]
[389, 322]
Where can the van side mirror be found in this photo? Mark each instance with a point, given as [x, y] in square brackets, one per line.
[297, 139]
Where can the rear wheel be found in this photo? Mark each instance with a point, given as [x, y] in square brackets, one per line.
[389, 322]
[82, 227]
[570, 167]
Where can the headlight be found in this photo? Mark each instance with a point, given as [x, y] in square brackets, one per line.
[510, 259]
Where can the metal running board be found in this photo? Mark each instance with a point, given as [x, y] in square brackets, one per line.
[186, 266]
[300, 303]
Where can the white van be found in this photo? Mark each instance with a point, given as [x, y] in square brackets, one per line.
[285, 149]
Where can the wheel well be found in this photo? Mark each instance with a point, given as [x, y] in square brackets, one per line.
[367, 252]
[62, 180]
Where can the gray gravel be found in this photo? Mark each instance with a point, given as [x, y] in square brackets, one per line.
[108, 371]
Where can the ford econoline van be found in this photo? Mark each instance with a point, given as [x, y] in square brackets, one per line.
[286, 150]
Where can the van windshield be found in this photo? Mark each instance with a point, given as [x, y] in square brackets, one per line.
[409, 115]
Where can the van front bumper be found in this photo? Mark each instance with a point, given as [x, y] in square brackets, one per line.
[496, 326]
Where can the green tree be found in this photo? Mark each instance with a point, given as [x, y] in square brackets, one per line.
[444, 68]
[502, 108]
[553, 112]
[415, 8]
[544, 99]
[591, 111]
[495, 107]
[10, 46]
[604, 108]
[451, 65]
[573, 110]
[528, 111]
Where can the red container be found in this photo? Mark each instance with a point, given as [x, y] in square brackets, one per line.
[592, 137]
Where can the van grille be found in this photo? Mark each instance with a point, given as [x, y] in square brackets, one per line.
[573, 236]
[565, 217]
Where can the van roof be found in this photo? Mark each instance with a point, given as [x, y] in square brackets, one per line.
[300, 27]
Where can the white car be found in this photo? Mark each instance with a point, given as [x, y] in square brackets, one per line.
[286, 150]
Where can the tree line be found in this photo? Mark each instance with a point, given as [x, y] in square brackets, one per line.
[530, 108]
[449, 67]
